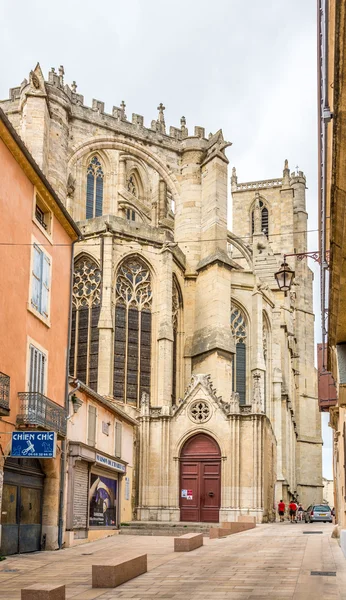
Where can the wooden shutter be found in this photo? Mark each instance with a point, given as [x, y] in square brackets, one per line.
[37, 370]
[119, 353]
[118, 439]
[92, 425]
[45, 285]
[90, 196]
[241, 372]
[36, 283]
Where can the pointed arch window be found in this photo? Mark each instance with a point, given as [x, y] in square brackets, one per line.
[132, 338]
[94, 194]
[239, 332]
[176, 322]
[264, 219]
[85, 316]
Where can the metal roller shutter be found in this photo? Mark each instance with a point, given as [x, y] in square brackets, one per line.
[80, 495]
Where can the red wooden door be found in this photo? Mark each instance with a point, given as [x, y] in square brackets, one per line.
[200, 480]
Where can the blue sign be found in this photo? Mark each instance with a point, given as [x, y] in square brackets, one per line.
[33, 444]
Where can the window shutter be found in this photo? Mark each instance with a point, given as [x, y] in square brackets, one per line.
[36, 278]
[45, 285]
[241, 372]
[118, 440]
[37, 370]
[91, 425]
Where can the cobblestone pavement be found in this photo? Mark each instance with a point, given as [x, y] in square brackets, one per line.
[270, 562]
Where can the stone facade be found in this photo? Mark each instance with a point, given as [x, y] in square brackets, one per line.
[192, 335]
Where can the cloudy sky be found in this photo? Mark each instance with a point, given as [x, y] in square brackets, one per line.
[247, 67]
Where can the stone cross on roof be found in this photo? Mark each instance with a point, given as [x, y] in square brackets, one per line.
[161, 117]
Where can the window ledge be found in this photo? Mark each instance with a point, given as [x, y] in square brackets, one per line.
[44, 231]
[45, 320]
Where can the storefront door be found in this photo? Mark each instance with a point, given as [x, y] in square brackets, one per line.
[21, 506]
[200, 480]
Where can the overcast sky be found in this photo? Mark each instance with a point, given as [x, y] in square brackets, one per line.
[247, 67]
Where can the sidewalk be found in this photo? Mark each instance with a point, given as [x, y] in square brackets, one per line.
[271, 562]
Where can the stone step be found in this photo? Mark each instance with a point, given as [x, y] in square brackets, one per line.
[165, 528]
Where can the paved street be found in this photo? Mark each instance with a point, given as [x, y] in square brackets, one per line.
[272, 561]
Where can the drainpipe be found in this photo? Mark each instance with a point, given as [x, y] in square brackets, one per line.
[67, 401]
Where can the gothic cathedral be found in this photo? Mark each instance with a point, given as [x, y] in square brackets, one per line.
[177, 319]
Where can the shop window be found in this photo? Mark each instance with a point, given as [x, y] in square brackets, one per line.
[37, 370]
[103, 501]
[118, 439]
[92, 417]
[40, 281]
[132, 337]
[239, 331]
[85, 316]
[94, 193]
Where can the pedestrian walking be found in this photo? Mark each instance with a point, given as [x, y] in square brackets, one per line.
[300, 513]
[293, 511]
[281, 509]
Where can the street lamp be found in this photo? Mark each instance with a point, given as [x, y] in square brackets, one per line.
[284, 277]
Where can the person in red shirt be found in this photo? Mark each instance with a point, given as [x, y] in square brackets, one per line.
[293, 511]
[281, 509]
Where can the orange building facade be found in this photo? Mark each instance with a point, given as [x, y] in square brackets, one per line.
[36, 251]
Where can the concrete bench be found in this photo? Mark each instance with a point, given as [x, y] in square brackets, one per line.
[246, 519]
[219, 532]
[43, 591]
[188, 542]
[110, 574]
[237, 527]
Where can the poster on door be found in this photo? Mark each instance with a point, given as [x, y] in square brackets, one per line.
[102, 501]
[189, 495]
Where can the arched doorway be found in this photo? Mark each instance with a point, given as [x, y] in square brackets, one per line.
[200, 480]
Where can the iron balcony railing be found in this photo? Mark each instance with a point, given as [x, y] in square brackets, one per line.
[4, 392]
[39, 411]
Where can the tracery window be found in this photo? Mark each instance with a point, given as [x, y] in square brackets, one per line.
[264, 218]
[239, 332]
[132, 338]
[132, 186]
[85, 316]
[176, 318]
[94, 194]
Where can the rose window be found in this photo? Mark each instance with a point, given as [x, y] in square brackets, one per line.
[200, 412]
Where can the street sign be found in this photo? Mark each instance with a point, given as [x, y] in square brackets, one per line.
[33, 444]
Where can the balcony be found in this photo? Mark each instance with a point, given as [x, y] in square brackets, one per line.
[4, 395]
[36, 410]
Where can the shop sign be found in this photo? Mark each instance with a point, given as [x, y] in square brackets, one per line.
[102, 501]
[110, 463]
[33, 444]
[127, 488]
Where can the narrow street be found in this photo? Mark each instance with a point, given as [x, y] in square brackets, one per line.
[272, 561]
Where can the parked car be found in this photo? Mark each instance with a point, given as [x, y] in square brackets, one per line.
[318, 512]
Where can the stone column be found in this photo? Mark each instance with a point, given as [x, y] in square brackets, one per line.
[162, 200]
[165, 331]
[106, 323]
[258, 366]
